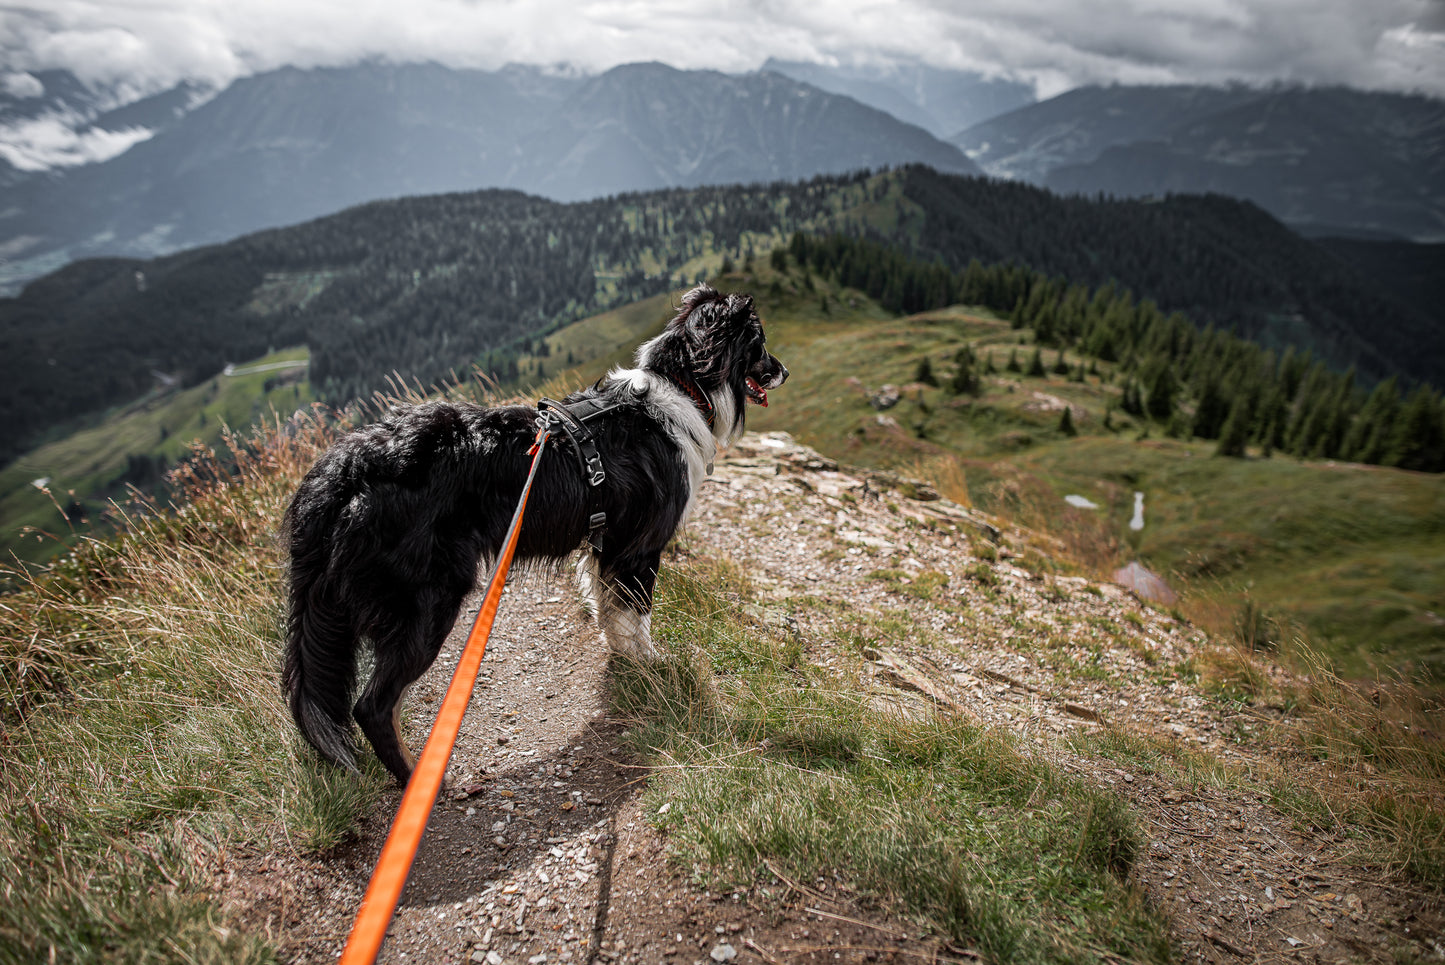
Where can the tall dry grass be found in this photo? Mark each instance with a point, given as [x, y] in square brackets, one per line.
[143, 726]
[1364, 757]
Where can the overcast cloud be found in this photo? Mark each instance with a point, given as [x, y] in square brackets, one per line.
[133, 47]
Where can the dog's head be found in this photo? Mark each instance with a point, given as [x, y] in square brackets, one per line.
[723, 347]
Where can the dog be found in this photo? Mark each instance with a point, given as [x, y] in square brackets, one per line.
[388, 529]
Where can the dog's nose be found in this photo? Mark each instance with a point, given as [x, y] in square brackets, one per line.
[782, 377]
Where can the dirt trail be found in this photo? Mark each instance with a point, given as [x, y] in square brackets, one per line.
[539, 852]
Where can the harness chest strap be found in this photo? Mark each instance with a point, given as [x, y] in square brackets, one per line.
[571, 419]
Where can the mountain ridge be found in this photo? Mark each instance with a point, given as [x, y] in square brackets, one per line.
[291, 144]
[1325, 158]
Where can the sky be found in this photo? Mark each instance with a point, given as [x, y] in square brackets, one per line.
[134, 47]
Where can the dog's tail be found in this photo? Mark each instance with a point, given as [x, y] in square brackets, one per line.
[319, 672]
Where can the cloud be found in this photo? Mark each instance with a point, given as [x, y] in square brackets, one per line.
[148, 45]
[62, 140]
[21, 85]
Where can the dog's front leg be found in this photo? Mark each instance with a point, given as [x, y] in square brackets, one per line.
[622, 602]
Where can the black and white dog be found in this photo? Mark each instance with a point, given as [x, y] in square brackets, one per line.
[388, 529]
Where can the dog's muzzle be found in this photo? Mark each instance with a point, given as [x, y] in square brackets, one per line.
[767, 374]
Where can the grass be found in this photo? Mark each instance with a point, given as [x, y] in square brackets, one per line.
[145, 733]
[1365, 760]
[773, 765]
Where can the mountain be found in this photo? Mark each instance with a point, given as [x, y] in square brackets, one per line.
[51, 120]
[281, 147]
[427, 285]
[1325, 160]
[940, 101]
[1414, 274]
[1221, 261]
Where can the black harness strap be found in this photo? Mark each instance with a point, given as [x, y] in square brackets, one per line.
[572, 418]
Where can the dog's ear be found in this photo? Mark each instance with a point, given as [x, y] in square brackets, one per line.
[693, 305]
[705, 312]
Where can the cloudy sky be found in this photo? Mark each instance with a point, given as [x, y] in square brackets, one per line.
[142, 46]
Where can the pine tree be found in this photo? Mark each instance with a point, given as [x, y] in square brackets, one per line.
[1129, 399]
[1235, 433]
[1160, 402]
[1013, 361]
[1036, 365]
[1210, 411]
[1060, 366]
[1418, 440]
[964, 378]
[1066, 422]
[988, 366]
[1370, 432]
[924, 372]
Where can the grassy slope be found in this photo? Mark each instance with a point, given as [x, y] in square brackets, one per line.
[166, 638]
[88, 463]
[1349, 552]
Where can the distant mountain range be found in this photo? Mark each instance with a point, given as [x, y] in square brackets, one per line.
[1326, 161]
[942, 102]
[284, 146]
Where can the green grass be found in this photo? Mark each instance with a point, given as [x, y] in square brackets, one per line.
[145, 733]
[767, 765]
[88, 465]
[1349, 552]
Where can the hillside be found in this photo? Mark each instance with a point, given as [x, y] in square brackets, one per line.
[1323, 160]
[283, 146]
[62, 489]
[1344, 552]
[896, 732]
[425, 286]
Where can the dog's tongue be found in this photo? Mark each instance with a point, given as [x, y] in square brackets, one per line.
[756, 393]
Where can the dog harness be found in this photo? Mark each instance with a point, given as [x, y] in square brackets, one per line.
[571, 418]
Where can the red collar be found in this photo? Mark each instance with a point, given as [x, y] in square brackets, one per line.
[698, 397]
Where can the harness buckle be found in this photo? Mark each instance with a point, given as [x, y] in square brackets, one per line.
[595, 526]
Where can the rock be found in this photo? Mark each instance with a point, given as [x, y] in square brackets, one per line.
[885, 398]
[1082, 712]
[724, 953]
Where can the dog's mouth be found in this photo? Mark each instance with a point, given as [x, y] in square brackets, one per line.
[756, 393]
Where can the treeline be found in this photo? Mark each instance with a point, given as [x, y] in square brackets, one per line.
[1204, 383]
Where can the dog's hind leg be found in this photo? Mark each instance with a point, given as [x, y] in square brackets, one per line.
[402, 656]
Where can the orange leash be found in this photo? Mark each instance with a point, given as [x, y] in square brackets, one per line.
[392, 867]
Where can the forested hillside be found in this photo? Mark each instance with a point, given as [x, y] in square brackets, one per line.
[1220, 261]
[1206, 384]
[425, 286]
